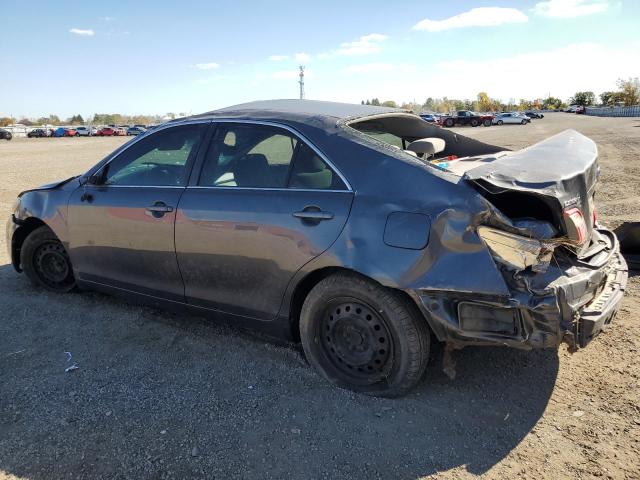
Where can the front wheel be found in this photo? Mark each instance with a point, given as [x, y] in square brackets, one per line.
[364, 337]
[46, 262]
[499, 122]
[449, 123]
[487, 123]
[474, 123]
[523, 122]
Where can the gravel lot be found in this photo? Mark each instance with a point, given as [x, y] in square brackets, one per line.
[158, 395]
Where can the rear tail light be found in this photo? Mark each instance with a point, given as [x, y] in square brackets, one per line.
[576, 226]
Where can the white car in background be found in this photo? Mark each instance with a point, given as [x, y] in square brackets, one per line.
[84, 131]
[515, 118]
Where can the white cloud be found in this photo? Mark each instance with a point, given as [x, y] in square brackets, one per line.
[278, 58]
[379, 68]
[506, 77]
[302, 57]
[364, 45]
[84, 32]
[206, 66]
[502, 77]
[476, 17]
[569, 8]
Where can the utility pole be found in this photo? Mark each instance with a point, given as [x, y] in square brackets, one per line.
[301, 82]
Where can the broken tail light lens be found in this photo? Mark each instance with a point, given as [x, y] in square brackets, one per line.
[576, 226]
[515, 251]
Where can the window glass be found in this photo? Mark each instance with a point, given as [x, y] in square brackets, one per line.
[310, 171]
[157, 160]
[248, 155]
[261, 156]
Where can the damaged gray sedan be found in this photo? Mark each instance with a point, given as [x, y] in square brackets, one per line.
[363, 232]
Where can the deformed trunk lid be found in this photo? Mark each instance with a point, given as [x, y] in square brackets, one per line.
[562, 169]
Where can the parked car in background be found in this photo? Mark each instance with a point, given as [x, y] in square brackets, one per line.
[580, 109]
[428, 117]
[135, 130]
[465, 117]
[83, 131]
[106, 132]
[510, 118]
[534, 114]
[140, 126]
[65, 132]
[571, 108]
[5, 134]
[39, 133]
[119, 131]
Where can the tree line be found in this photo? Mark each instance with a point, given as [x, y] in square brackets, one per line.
[97, 119]
[628, 93]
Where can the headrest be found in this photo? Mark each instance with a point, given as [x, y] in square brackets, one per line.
[427, 146]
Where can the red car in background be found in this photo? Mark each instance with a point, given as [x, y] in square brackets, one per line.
[107, 132]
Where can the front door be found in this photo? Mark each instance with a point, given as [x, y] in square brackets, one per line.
[121, 226]
[264, 204]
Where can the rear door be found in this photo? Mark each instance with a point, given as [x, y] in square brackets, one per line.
[264, 203]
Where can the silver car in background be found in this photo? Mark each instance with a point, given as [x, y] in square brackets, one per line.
[515, 118]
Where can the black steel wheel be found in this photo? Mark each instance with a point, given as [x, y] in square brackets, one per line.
[46, 262]
[363, 336]
[356, 340]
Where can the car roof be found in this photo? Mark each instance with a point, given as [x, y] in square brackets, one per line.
[295, 109]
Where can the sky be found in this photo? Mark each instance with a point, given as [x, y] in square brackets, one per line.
[154, 57]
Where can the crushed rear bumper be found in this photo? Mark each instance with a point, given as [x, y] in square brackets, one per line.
[572, 301]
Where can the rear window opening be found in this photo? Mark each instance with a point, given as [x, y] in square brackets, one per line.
[401, 130]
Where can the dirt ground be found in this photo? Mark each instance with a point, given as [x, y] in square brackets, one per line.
[158, 395]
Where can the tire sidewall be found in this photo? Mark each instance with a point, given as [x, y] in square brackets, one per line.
[35, 239]
[315, 307]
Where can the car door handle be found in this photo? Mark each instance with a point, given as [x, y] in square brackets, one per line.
[158, 209]
[313, 214]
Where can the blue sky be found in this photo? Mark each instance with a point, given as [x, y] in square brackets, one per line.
[154, 57]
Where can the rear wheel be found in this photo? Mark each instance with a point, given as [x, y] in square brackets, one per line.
[474, 123]
[46, 262]
[487, 123]
[499, 122]
[364, 337]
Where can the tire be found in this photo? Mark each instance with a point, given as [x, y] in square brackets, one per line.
[523, 122]
[449, 122]
[46, 262]
[499, 122]
[475, 123]
[9, 136]
[487, 123]
[364, 337]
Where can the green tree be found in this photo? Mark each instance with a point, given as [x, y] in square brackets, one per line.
[552, 103]
[629, 91]
[583, 98]
[375, 101]
[389, 103]
[6, 121]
